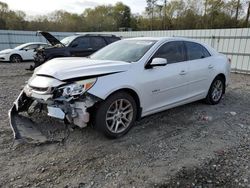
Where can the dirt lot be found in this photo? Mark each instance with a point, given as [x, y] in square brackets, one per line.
[195, 145]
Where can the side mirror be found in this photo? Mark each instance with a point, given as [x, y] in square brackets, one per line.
[157, 62]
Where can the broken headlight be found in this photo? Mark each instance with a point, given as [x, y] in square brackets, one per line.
[77, 88]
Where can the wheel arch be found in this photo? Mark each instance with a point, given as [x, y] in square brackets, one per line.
[16, 55]
[222, 75]
[135, 96]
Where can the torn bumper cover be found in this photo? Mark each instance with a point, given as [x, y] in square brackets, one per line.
[21, 104]
[70, 110]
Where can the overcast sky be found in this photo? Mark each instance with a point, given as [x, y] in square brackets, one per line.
[38, 7]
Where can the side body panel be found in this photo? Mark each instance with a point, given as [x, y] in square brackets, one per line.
[162, 88]
[27, 54]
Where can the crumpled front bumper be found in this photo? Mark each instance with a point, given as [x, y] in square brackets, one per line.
[12, 113]
[25, 129]
[22, 127]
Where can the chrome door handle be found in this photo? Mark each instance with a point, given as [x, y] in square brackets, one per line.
[210, 66]
[183, 72]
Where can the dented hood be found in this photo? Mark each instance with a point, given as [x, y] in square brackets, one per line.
[79, 68]
[50, 38]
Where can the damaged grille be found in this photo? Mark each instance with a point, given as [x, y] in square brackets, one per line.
[57, 93]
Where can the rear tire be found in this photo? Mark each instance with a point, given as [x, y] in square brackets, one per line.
[15, 58]
[216, 91]
[115, 116]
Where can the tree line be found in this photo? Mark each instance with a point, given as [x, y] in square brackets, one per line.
[158, 15]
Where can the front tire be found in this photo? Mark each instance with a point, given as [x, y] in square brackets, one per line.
[216, 91]
[15, 58]
[115, 116]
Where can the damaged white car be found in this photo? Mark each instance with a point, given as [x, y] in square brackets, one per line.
[125, 81]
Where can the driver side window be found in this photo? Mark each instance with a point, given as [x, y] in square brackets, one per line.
[81, 42]
[172, 51]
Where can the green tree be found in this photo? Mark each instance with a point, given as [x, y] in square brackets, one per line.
[3, 10]
[150, 10]
[15, 20]
[122, 15]
[248, 15]
[100, 19]
[159, 14]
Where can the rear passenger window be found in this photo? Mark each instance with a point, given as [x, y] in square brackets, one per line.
[172, 51]
[196, 51]
[97, 42]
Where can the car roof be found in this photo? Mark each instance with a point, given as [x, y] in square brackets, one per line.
[147, 38]
[30, 43]
[166, 39]
[162, 38]
[96, 35]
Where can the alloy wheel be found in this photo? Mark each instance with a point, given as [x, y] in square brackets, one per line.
[217, 90]
[15, 59]
[119, 116]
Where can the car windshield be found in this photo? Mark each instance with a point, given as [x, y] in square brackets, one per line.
[67, 40]
[124, 50]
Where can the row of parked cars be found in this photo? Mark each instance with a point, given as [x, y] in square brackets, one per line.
[78, 45]
[121, 82]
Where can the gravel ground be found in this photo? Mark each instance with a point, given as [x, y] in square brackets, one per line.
[195, 145]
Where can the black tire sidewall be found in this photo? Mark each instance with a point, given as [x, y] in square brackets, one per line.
[209, 98]
[12, 56]
[101, 110]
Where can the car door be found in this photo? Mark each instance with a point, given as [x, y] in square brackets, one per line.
[166, 86]
[28, 52]
[200, 69]
[80, 47]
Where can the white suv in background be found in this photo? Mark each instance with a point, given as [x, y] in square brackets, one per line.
[21, 53]
[124, 81]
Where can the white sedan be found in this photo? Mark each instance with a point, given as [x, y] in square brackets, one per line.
[125, 81]
[21, 53]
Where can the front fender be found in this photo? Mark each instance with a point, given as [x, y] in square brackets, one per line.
[103, 90]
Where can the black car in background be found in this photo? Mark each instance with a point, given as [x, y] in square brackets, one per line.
[78, 45]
